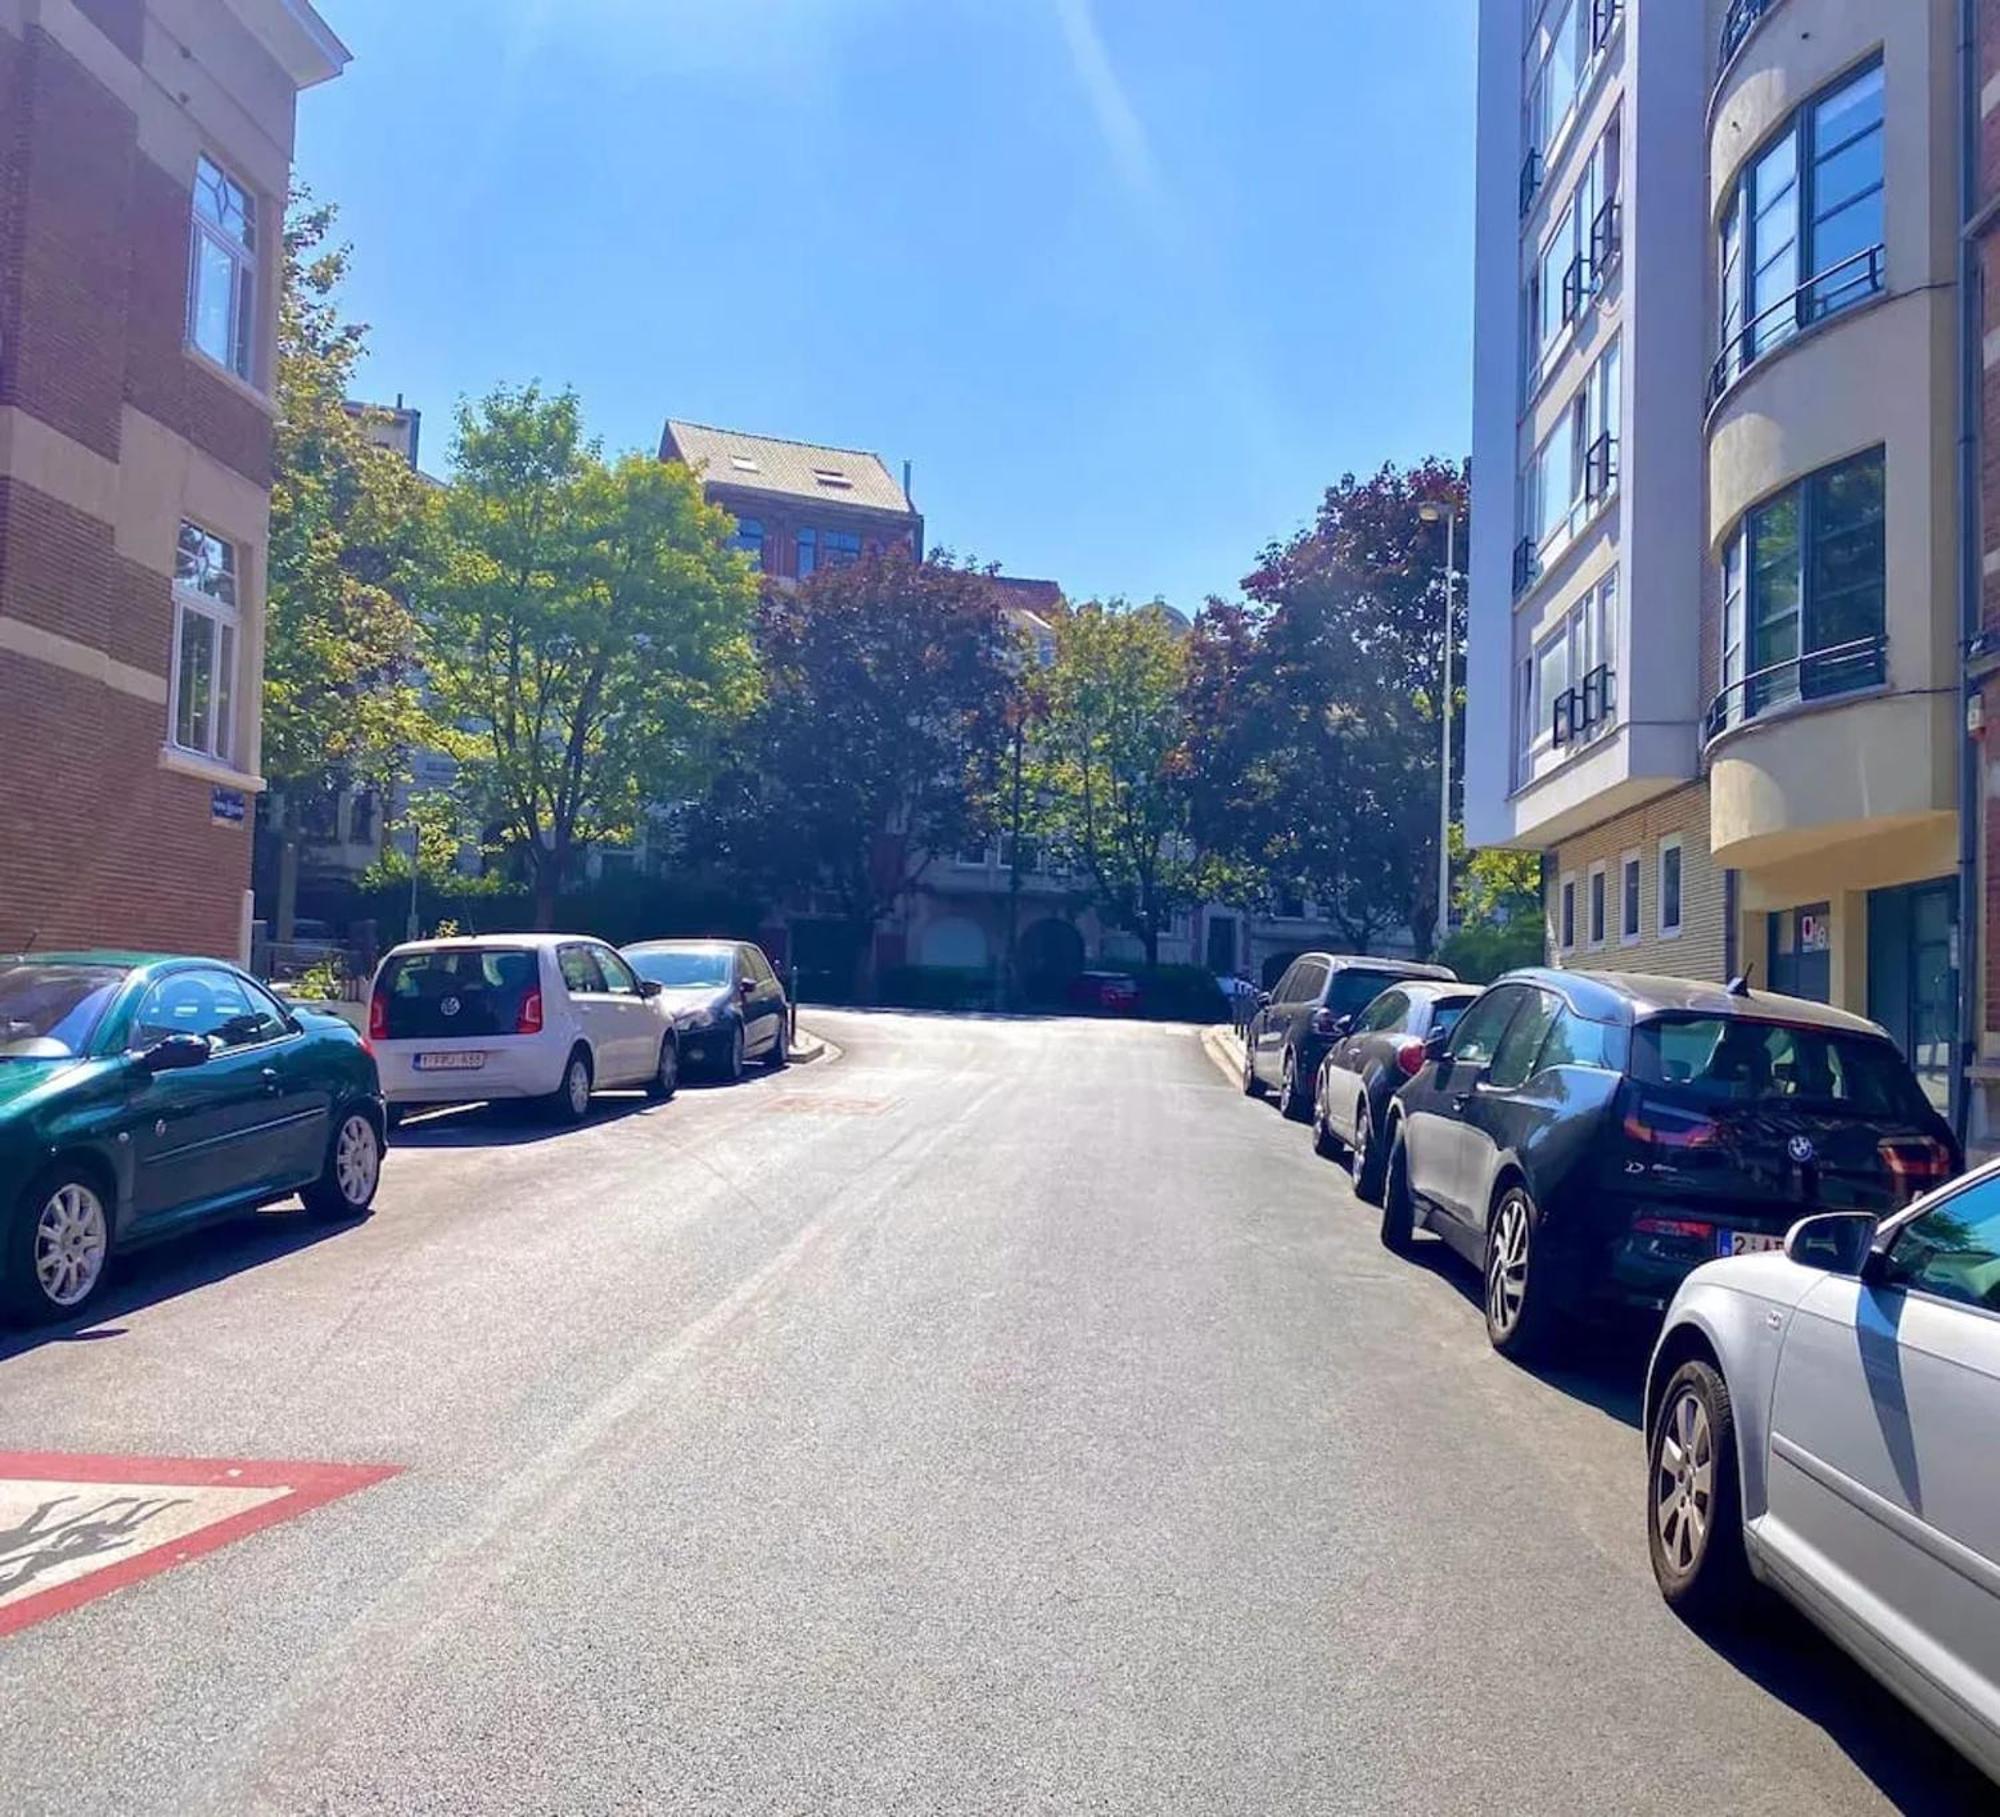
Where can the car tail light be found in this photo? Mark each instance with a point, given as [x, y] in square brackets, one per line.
[1916, 1163]
[529, 1021]
[378, 1017]
[1410, 1057]
[1692, 1228]
[1323, 1021]
[1662, 1126]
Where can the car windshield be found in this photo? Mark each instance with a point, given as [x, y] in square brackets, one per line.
[1732, 1059]
[1444, 1017]
[1353, 990]
[681, 967]
[50, 1012]
[461, 991]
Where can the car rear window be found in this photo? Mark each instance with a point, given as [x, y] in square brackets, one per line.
[49, 1012]
[1735, 1060]
[456, 991]
[1353, 989]
[681, 968]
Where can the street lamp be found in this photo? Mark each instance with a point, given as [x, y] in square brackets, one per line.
[1432, 513]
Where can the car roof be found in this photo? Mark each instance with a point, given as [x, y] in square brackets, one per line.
[109, 959]
[510, 942]
[682, 946]
[1629, 997]
[1395, 968]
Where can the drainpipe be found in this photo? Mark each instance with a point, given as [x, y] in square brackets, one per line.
[1970, 567]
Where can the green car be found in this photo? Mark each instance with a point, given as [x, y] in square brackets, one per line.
[142, 1095]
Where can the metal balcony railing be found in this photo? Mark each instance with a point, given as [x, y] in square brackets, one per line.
[1818, 675]
[1531, 182]
[1600, 468]
[1580, 710]
[1839, 287]
[1607, 241]
[1604, 17]
[1576, 286]
[1527, 565]
[1737, 24]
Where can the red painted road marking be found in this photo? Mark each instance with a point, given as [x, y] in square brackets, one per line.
[227, 1499]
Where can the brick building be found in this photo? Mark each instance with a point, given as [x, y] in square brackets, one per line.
[145, 150]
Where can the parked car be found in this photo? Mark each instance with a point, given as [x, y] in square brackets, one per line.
[1823, 1421]
[1314, 1004]
[548, 1017]
[1368, 1065]
[725, 999]
[1588, 1139]
[1104, 993]
[140, 1096]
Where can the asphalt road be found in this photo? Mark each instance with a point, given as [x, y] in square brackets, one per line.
[1002, 1417]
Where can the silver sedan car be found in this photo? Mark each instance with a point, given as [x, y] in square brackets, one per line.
[1826, 1421]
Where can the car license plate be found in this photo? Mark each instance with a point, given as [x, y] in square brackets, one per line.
[450, 1063]
[1745, 1242]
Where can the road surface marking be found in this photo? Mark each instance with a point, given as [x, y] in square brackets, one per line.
[73, 1528]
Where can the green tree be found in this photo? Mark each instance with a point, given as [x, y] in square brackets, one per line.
[1111, 778]
[1315, 729]
[588, 626]
[880, 740]
[1500, 917]
[342, 706]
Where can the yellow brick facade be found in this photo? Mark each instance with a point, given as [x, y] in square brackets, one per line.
[1699, 949]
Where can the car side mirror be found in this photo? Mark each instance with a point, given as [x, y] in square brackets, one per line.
[649, 988]
[1343, 1026]
[1838, 1242]
[746, 987]
[1263, 999]
[174, 1054]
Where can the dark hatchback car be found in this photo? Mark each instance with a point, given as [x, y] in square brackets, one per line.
[140, 1096]
[1589, 1139]
[1315, 1003]
[728, 1006]
[1104, 993]
[1369, 1064]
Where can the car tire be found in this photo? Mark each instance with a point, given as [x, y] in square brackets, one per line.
[1520, 1312]
[1291, 1101]
[732, 1067]
[569, 1103]
[1253, 1087]
[1365, 1157]
[69, 1208]
[1399, 1206]
[1694, 1498]
[392, 1117]
[780, 1055]
[346, 1186]
[666, 1079]
[1325, 1143]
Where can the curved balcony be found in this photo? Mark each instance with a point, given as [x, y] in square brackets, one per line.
[1742, 18]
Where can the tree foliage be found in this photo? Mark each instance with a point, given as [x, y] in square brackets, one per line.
[878, 744]
[589, 629]
[1500, 917]
[1314, 708]
[342, 706]
[1111, 773]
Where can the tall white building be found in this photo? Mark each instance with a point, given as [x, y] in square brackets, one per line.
[1591, 351]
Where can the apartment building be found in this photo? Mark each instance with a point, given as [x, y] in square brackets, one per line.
[1832, 725]
[147, 159]
[1589, 360]
[1777, 679]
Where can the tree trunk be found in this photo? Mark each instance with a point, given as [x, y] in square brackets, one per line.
[1152, 939]
[285, 921]
[547, 893]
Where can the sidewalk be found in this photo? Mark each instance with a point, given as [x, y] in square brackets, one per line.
[808, 1047]
[1224, 1046]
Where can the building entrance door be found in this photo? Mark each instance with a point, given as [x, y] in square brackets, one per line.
[1913, 976]
[1802, 952]
[1222, 959]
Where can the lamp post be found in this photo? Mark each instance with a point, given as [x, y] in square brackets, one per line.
[1432, 513]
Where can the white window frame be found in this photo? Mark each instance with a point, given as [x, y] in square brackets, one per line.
[223, 612]
[242, 252]
[1566, 913]
[1596, 936]
[1630, 864]
[1671, 842]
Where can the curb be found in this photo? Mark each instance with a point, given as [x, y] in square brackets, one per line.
[807, 1048]
[1225, 1050]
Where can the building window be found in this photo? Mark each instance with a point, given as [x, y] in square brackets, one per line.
[1628, 899]
[1566, 927]
[1597, 905]
[1670, 887]
[808, 552]
[1557, 54]
[840, 548]
[1567, 689]
[750, 539]
[202, 710]
[222, 269]
[1804, 594]
[1802, 236]
[1574, 258]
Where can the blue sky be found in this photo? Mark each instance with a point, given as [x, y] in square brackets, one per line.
[1130, 281]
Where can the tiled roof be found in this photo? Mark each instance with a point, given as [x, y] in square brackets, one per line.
[762, 463]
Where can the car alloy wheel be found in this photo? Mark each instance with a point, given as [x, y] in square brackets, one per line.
[667, 1075]
[736, 1054]
[576, 1087]
[357, 1161]
[1684, 1483]
[71, 1240]
[1507, 1267]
